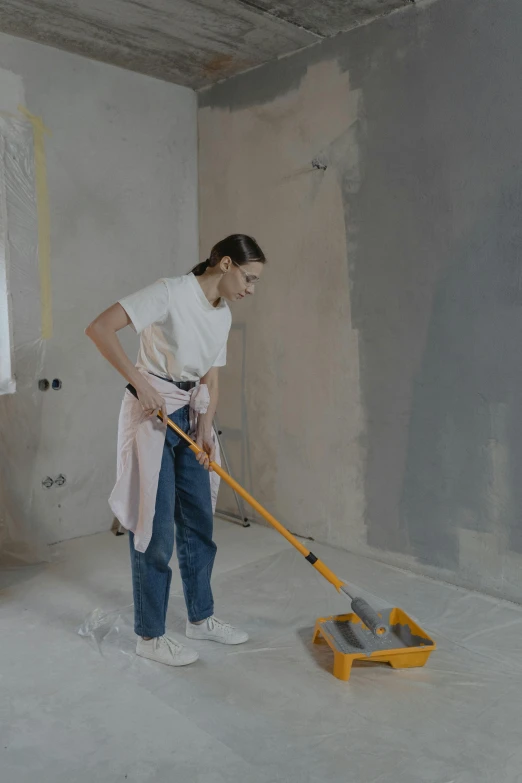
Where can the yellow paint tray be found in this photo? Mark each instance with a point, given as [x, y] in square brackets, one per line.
[405, 646]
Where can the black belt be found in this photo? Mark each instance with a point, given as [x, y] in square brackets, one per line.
[183, 385]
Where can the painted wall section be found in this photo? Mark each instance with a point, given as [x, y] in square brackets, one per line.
[382, 382]
[122, 190]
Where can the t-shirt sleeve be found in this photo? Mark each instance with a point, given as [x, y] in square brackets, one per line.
[222, 357]
[148, 306]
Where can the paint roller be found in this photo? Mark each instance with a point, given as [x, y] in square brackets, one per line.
[368, 616]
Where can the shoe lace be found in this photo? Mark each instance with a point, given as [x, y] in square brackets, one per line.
[213, 622]
[172, 644]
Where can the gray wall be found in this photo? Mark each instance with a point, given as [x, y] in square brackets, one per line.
[122, 187]
[382, 391]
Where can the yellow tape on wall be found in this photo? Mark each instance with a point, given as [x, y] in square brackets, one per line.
[44, 224]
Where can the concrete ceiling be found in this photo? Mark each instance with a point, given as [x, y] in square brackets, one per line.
[189, 42]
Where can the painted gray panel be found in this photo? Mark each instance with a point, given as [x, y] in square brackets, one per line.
[436, 291]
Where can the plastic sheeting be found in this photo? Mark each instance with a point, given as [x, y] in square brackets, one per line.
[276, 704]
[20, 539]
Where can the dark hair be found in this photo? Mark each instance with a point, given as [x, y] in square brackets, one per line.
[241, 248]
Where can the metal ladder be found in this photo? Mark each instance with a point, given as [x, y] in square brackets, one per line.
[241, 517]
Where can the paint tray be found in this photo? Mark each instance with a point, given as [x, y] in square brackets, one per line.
[405, 646]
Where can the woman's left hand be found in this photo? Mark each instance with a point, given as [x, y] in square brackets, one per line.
[205, 441]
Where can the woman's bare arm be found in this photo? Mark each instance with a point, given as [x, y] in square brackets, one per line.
[103, 332]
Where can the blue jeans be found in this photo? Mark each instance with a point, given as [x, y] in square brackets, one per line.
[184, 501]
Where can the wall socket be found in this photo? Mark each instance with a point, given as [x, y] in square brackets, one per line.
[49, 482]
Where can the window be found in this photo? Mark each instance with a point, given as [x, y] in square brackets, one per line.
[7, 382]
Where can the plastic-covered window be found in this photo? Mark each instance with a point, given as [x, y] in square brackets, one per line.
[22, 349]
[7, 382]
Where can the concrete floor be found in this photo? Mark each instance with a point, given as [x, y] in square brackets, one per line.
[86, 709]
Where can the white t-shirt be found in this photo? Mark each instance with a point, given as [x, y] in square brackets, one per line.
[182, 335]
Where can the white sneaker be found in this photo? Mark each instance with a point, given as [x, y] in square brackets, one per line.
[163, 649]
[216, 631]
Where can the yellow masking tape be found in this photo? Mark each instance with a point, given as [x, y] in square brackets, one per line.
[44, 224]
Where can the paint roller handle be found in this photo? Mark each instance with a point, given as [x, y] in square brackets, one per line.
[361, 608]
[317, 564]
[326, 572]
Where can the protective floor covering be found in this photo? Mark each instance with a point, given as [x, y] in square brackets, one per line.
[266, 711]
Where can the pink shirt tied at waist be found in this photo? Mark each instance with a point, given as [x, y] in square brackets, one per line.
[140, 449]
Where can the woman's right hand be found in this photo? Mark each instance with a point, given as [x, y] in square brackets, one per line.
[151, 401]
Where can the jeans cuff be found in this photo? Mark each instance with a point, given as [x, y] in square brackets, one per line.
[152, 634]
[198, 618]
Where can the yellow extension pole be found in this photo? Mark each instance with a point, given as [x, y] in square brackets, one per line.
[317, 564]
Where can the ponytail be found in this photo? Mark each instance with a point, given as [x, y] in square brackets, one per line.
[241, 249]
[200, 269]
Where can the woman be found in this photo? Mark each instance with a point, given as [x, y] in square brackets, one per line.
[183, 323]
